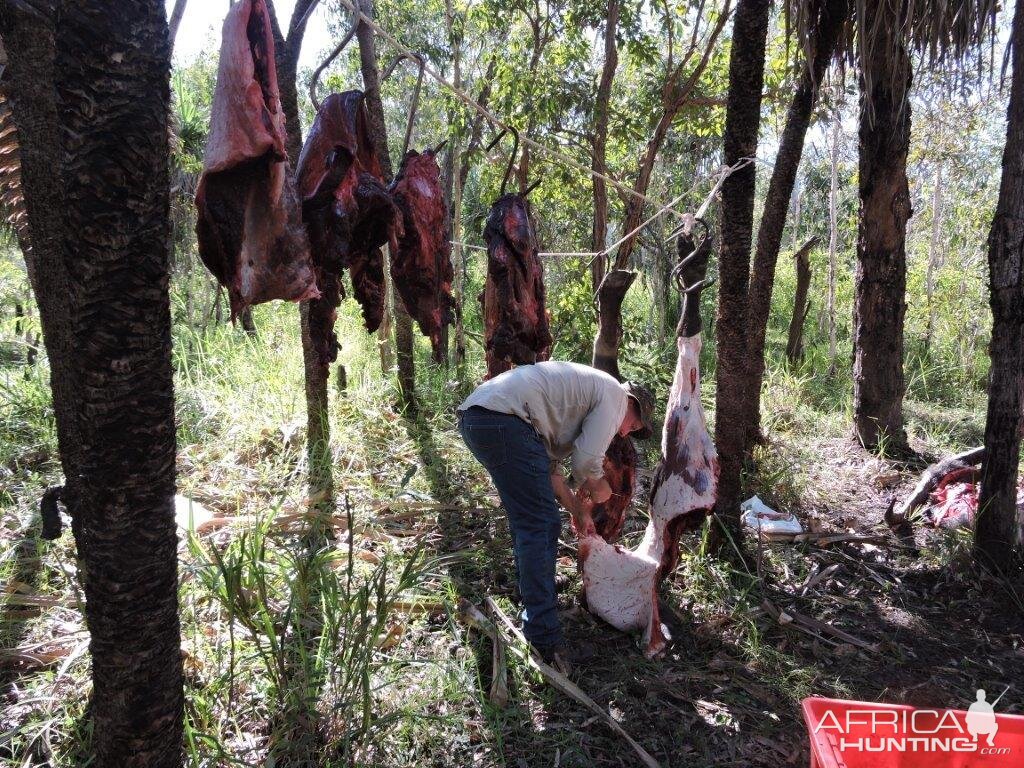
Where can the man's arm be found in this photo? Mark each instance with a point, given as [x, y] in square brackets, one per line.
[578, 508]
[596, 432]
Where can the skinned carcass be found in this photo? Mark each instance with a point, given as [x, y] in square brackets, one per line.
[421, 265]
[621, 585]
[348, 213]
[515, 314]
[248, 225]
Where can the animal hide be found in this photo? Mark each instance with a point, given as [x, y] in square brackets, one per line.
[348, 213]
[515, 315]
[621, 585]
[421, 265]
[620, 462]
[249, 225]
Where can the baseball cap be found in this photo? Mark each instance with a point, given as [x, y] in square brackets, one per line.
[645, 400]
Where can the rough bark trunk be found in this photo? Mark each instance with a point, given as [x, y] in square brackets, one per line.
[378, 134]
[801, 304]
[113, 66]
[599, 234]
[742, 119]
[31, 52]
[830, 16]
[997, 530]
[880, 295]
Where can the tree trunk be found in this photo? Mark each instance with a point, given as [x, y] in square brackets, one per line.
[378, 134]
[455, 209]
[30, 75]
[934, 258]
[675, 94]
[833, 238]
[599, 238]
[830, 17]
[316, 374]
[997, 531]
[742, 120]
[175, 20]
[112, 74]
[801, 304]
[880, 299]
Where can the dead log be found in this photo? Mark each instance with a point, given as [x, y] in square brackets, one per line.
[801, 302]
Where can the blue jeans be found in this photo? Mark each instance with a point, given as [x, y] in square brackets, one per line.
[513, 454]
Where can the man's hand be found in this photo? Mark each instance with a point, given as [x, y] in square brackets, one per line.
[563, 493]
[596, 490]
[582, 520]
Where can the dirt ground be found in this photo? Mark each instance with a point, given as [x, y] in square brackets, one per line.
[923, 626]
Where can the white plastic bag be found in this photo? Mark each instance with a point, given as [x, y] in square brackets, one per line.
[760, 518]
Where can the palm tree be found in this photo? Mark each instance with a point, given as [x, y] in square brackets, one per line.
[885, 35]
[878, 37]
[998, 526]
[742, 121]
[90, 93]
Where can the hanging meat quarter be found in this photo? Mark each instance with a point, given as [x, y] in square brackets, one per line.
[248, 225]
[421, 265]
[621, 585]
[515, 314]
[348, 212]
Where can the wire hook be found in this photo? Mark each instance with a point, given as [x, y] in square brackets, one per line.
[331, 57]
[388, 70]
[512, 155]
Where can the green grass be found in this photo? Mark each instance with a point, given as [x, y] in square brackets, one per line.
[297, 654]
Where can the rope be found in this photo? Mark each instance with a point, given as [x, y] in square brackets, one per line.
[468, 100]
[688, 218]
[566, 254]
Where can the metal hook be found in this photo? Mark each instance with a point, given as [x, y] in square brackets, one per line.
[331, 57]
[533, 186]
[511, 157]
[700, 250]
[388, 70]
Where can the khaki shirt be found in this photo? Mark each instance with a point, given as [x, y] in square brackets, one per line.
[575, 409]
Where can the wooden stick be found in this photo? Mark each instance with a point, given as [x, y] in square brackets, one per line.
[566, 686]
[472, 616]
[815, 627]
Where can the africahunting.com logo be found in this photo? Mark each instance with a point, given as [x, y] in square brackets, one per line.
[915, 730]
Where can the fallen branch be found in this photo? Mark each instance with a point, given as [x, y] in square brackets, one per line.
[566, 686]
[824, 539]
[815, 627]
[471, 615]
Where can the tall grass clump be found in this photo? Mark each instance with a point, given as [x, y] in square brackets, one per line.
[310, 626]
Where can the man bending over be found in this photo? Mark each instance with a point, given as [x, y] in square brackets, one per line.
[519, 426]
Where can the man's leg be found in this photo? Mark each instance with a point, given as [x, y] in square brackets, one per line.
[514, 455]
